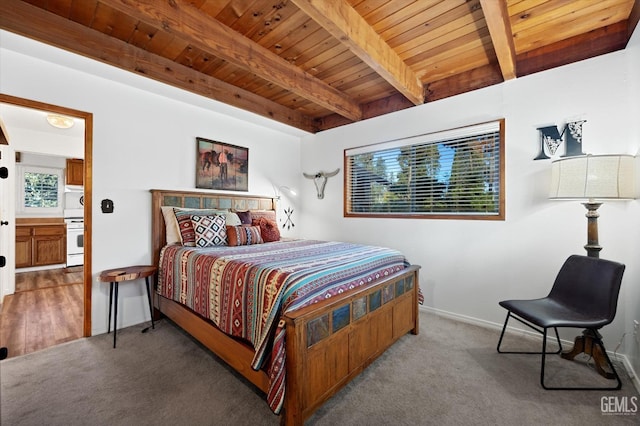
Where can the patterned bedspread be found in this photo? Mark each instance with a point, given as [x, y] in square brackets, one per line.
[244, 290]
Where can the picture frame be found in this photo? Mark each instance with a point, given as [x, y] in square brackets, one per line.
[221, 165]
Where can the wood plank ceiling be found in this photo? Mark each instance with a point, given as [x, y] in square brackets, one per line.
[318, 64]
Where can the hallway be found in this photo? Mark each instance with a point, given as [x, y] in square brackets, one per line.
[45, 310]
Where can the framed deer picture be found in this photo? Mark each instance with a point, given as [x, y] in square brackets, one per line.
[221, 166]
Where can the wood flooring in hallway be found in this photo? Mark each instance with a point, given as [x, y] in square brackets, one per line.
[45, 310]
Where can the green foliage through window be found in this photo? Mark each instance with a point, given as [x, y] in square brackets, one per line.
[452, 174]
[41, 190]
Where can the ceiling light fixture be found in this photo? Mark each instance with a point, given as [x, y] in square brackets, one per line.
[60, 121]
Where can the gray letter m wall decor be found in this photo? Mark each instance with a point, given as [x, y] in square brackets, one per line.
[551, 139]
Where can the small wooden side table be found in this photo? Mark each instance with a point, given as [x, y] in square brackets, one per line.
[118, 275]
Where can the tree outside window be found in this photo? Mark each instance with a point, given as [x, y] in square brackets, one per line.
[453, 174]
[40, 190]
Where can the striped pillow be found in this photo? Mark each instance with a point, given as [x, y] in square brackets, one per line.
[243, 235]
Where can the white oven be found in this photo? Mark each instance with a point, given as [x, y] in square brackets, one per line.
[75, 241]
[74, 219]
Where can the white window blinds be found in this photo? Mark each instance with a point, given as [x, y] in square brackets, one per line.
[40, 189]
[456, 173]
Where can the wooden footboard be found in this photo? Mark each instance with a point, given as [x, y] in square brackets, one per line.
[330, 343]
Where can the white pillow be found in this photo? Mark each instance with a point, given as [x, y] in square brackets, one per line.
[232, 219]
[172, 233]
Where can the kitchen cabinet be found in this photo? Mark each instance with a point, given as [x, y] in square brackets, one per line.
[75, 171]
[23, 247]
[40, 243]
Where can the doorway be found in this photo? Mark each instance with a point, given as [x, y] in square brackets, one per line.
[84, 290]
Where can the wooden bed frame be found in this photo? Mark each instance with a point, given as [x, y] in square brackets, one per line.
[323, 350]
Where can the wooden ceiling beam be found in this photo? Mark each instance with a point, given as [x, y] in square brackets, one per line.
[497, 17]
[477, 78]
[342, 21]
[183, 20]
[36, 23]
[372, 109]
[584, 46]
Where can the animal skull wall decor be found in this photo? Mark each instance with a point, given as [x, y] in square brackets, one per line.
[320, 180]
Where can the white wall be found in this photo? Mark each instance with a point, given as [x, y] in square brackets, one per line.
[27, 140]
[142, 139]
[468, 266]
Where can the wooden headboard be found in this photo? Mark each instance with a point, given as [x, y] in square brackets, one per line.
[197, 200]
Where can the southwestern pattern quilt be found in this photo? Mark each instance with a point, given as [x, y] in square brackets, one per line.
[244, 290]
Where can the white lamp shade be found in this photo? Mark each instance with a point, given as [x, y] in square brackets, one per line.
[593, 177]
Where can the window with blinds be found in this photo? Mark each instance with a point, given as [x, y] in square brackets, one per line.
[40, 190]
[455, 174]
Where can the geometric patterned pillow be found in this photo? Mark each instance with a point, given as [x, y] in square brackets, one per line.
[243, 235]
[209, 230]
[183, 217]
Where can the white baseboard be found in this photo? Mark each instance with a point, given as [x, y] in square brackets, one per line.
[523, 331]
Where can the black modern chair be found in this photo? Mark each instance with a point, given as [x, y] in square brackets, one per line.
[584, 295]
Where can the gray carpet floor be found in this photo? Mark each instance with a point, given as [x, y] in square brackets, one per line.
[450, 374]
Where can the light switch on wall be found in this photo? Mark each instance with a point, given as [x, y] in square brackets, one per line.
[107, 206]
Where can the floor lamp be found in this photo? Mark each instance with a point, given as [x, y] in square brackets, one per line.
[593, 178]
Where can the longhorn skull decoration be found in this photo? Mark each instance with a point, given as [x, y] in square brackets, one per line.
[320, 180]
